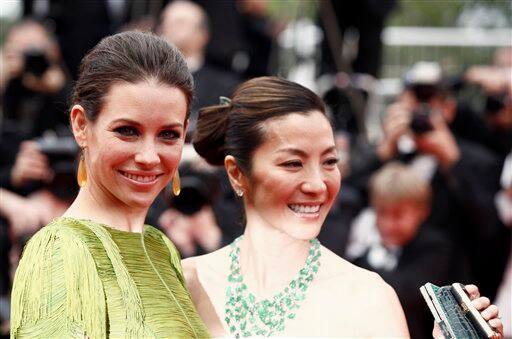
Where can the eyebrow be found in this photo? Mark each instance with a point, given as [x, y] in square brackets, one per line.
[133, 122]
[301, 153]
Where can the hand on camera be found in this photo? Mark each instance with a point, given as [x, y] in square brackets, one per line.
[439, 142]
[30, 165]
[489, 312]
[51, 81]
[395, 124]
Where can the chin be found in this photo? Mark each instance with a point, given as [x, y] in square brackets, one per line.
[142, 201]
[306, 232]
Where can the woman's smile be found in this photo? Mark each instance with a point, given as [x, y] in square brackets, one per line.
[141, 178]
[306, 211]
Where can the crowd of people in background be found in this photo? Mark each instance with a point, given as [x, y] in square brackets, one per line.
[431, 201]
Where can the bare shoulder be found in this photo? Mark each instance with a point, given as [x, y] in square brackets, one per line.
[211, 263]
[335, 267]
[369, 294]
[337, 271]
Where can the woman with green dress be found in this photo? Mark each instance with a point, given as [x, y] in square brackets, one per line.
[98, 271]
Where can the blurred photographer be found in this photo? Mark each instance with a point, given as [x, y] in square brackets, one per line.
[34, 101]
[205, 215]
[37, 163]
[494, 89]
[36, 85]
[464, 175]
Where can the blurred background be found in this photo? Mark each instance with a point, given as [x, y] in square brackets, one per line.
[419, 94]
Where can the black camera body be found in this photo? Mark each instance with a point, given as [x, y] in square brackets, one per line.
[199, 188]
[420, 122]
[62, 153]
[36, 62]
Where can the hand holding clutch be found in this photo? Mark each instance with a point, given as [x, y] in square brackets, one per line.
[460, 312]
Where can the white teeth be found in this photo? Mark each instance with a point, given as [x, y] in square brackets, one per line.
[305, 208]
[140, 178]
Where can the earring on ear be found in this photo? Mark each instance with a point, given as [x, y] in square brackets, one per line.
[81, 176]
[176, 184]
[239, 192]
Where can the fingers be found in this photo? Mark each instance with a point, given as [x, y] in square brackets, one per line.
[397, 120]
[490, 312]
[497, 324]
[481, 303]
[436, 332]
[30, 164]
[472, 291]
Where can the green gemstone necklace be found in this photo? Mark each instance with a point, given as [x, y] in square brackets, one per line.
[246, 316]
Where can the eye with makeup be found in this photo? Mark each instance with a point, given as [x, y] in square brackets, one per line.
[292, 164]
[170, 134]
[126, 131]
[331, 162]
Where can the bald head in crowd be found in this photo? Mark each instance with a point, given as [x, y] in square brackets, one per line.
[185, 24]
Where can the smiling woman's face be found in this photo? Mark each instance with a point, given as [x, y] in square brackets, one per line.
[135, 145]
[294, 178]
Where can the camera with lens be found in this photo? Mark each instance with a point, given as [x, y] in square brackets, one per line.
[62, 153]
[494, 103]
[199, 188]
[424, 81]
[36, 62]
[420, 122]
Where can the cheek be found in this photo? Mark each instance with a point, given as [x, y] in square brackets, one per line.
[171, 156]
[270, 188]
[113, 152]
[333, 183]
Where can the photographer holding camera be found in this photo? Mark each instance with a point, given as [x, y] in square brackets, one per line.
[36, 85]
[34, 98]
[33, 185]
[464, 175]
[205, 215]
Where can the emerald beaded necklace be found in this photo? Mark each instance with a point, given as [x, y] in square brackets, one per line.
[247, 316]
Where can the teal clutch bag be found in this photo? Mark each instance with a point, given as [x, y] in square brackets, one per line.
[454, 313]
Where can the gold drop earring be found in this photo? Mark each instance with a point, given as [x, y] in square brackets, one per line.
[81, 176]
[176, 184]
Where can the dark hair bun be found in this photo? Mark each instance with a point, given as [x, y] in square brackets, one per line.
[235, 128]
[210, 133]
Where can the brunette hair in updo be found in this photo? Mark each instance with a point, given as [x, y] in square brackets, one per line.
[130, 57]
[236, 128]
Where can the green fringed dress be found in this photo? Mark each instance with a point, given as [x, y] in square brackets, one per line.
[78, 278]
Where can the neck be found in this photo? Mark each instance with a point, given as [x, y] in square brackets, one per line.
[269, 258]
[92, 204]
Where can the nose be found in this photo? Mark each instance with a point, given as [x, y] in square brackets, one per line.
[147, 155]
[314, 184]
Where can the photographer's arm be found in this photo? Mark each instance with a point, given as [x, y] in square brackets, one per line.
[21, 216]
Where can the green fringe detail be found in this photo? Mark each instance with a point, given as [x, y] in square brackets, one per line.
[175, 258]
[133, 304]
[60, 286]
[28, 299]
[35, 304]
[85, 298]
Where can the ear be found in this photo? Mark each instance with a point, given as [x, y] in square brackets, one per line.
[236, 177]
[79, 125]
